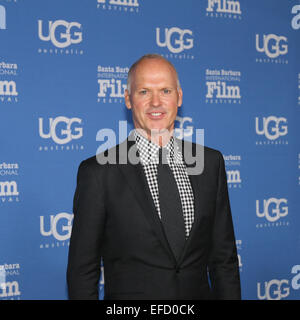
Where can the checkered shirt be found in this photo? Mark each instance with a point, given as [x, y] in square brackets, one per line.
[148, 153]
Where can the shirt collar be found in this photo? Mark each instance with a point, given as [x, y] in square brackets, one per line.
[148, 151]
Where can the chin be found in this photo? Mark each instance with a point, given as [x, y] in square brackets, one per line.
[159, 127]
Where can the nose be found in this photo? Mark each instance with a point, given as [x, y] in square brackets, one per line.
[155, 101]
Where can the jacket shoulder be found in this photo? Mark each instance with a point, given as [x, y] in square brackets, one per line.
[89, 162]
[208, 151]
[110, 156]
[214, 153]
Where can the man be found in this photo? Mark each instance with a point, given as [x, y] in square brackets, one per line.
[162, 231]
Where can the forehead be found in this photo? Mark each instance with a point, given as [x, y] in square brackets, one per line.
[154, 70]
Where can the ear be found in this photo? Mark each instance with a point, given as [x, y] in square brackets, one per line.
[127, 99]
[179, 98]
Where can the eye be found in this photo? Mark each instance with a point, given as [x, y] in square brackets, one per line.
[166, 91]
[143, 91]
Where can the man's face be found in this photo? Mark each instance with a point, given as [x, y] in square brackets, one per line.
[154, 97]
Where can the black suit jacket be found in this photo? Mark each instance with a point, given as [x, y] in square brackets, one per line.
[115, 219]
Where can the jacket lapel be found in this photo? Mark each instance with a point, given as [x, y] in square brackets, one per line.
[198, 203]
[136, 179]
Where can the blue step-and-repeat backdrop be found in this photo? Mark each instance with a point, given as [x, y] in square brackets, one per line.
[63, 70]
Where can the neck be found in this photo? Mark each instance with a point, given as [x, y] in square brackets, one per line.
[156, 136]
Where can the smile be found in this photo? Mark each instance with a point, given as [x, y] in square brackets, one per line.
[156, 115]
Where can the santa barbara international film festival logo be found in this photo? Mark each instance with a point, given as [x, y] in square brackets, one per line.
[8, 82]
[272, 130]
[233, 171]
[223, 86]
[272, 212]
[176, 41]
[55, 230]
[60, 133]
[278, 289]
[272, 48]
[228, 9]
[9, 282]
[130, 6]
[60, 37]
[112, 83]
[9, 188]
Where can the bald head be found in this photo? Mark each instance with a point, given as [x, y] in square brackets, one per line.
[152, 56]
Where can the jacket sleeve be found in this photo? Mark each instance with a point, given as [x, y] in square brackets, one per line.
[223, 263]
[83, 271]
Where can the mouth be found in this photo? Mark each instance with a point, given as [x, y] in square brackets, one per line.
[156, 115]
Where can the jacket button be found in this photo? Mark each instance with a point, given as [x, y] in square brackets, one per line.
[177, 270]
